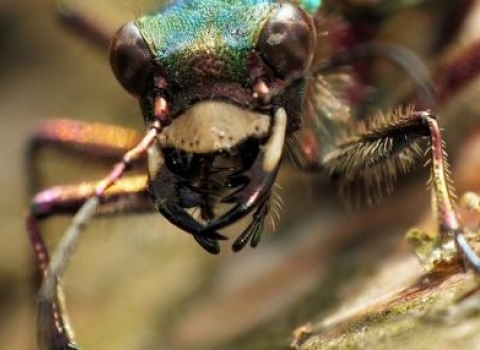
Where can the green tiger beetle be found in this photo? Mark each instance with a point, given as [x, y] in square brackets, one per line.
[225, 86]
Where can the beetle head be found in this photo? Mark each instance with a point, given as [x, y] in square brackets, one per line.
[219, 150]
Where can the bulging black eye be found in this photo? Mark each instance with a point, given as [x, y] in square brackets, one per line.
[131, 59]
[287, 41]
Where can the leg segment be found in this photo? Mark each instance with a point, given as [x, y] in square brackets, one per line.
[53, 324]
[128, 195]
[376, 151]
[327, 113]
[369, 156]
[92, 139]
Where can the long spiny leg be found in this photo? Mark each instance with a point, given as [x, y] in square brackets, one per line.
[49, 299]
[327, 110]
[369, 155]
[376, 151]
[98, 141]
[448, 222]
[127, 195]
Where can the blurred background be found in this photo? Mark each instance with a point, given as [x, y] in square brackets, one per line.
[138, 282]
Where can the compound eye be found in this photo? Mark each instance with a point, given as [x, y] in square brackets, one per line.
[131, 59]
[287, 41]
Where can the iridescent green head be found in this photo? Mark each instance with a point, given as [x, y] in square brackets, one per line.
[205, 41]
[216, 48]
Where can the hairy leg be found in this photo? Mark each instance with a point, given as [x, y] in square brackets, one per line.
[372, 155]
[129, 195]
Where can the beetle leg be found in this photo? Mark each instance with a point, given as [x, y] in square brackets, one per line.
[49, 300]
[448, 224]
[375, 153]
[327, 114]
[127, 195]
[92, 139]
[82, 25]
[258, 180]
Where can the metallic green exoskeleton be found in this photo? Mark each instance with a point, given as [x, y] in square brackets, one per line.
[205, 40]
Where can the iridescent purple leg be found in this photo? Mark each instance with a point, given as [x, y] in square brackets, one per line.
[116, 194]
[96, 140]
[127, 195]
[48, 295]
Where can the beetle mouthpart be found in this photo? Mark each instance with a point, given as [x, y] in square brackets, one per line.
[258, 179]
[203, 192]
